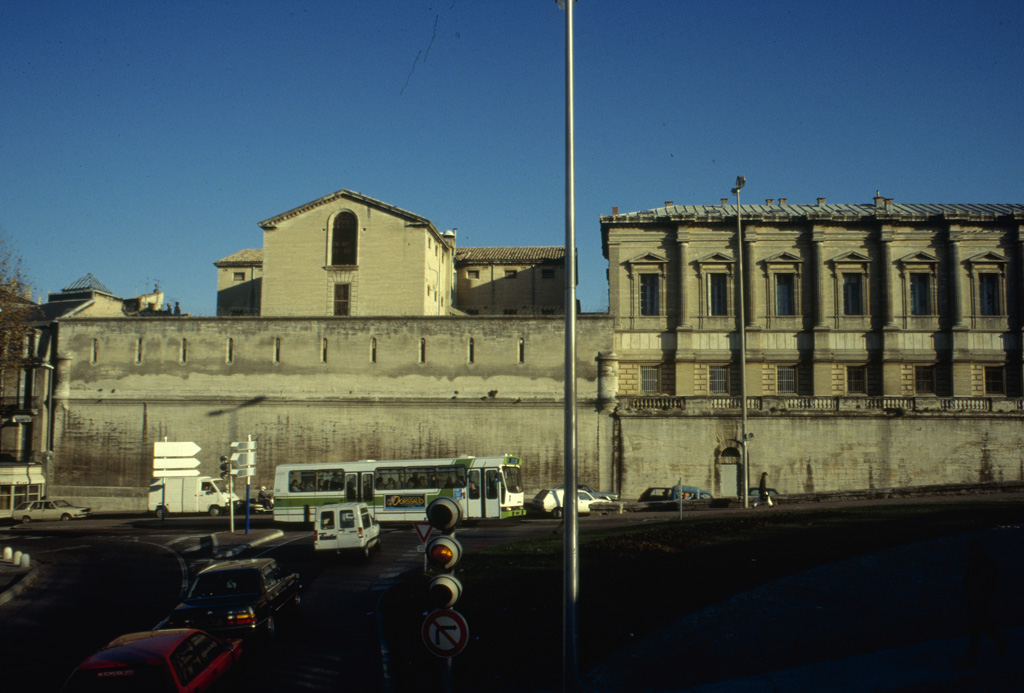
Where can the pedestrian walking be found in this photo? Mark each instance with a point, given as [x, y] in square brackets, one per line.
[762, 491]
[981, 585]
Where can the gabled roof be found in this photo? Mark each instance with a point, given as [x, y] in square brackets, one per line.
[345, 194]
[250, 257]
[518, 255]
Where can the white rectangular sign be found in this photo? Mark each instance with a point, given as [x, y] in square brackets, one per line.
[164, 473]
[175, 463]
[175, 449]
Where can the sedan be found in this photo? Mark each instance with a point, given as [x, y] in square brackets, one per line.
[551, 501]
[48, 510]
[238, 598]
[599, 495]
[158, 660]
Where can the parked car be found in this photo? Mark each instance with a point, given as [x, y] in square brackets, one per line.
[183, 659]
[238, 598]
[551, 501]
[48, 510]
[599, 495]
[670, 494]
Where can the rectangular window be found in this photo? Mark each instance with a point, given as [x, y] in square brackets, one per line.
[920, 294]
[856, 380]
[473, 274]
[239, 276]
[547, 274]
[718, 294]
[719, 380]
[648, 294]
[229, 355]
[785, 294]
[924, 380]
[510, 274]
[650, 379]
[341, 299]
[785, 377]
[853, 302]
[988, 293]
[995, 382]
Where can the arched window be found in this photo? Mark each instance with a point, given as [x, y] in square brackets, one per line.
[344, 237]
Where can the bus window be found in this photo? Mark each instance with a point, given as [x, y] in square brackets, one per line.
[299, 481]
[391, 478]
[513, 479]
[367, 487]
[474, 484]
[330, 480]
[351, 487]
[492, 483]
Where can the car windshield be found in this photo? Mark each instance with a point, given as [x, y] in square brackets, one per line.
[61, 504]
[225, 583]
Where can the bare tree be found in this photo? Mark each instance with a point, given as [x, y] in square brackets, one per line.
[16, 309]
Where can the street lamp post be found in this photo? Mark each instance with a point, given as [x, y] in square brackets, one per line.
[740, 182]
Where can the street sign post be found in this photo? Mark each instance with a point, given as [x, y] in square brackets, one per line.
[174, 459]
[243, 463]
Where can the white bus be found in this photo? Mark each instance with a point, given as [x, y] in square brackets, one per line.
[485, 487]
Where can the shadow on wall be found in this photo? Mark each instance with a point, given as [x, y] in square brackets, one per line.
[251, 402]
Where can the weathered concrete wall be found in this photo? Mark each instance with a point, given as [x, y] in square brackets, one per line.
[821, 452]
[370, 397]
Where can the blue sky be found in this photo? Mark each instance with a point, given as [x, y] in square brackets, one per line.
[143, 141]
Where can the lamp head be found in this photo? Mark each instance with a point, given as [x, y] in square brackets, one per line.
[740, 182]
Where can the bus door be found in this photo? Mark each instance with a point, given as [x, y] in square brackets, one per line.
[367, 488]
[475, 498]
[493, 490]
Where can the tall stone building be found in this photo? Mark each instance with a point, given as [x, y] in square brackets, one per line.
[883, 299]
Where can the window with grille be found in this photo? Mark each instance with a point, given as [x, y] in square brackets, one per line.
[343, 239]
[995, 381]
[650, 379]
[719, 380]
[924, 380]
[856, 380]
[341, 299]
[785, 377]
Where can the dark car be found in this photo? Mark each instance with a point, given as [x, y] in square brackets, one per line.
[665, 495]
[240, 598]
[161, 661]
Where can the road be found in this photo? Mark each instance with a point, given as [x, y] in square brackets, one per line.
[102, 577]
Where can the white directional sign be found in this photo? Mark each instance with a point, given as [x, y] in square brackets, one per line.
[244, 461]
[175, 459]
[175, 449]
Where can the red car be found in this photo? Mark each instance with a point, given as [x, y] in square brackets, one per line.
[183, 659]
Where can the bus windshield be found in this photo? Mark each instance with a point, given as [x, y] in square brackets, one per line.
[513, 479]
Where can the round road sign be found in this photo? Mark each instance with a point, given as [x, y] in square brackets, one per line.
[445, 632]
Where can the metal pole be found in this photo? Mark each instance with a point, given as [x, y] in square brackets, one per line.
[571, 538]
[743, 349]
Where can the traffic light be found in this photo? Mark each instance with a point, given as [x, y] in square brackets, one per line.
[225, 468]
[444, 553]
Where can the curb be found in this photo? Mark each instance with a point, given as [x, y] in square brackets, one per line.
[21, 585]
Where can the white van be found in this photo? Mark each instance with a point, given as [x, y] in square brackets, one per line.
[190, 494]
[345, 527]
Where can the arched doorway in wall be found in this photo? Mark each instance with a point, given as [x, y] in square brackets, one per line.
[728, 470]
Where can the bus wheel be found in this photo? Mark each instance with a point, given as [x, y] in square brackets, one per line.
[214, 510]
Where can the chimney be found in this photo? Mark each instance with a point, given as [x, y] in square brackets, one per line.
[782, 201]
[769, 201]
[821, 201]
[879, 201]
[668, 203]
[615, 211]
[724, 201]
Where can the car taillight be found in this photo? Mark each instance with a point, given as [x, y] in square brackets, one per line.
[241, 617]
[360, 531]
